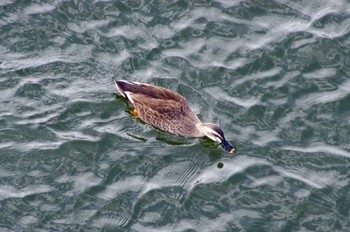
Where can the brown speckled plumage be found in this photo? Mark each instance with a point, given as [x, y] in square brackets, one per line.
[160, 107]
[168, 111]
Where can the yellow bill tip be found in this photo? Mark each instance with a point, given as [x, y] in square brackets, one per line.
[232, 151]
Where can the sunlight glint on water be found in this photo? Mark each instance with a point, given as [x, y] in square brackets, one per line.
[273, 74]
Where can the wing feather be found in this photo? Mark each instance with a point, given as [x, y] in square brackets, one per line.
[167, 114]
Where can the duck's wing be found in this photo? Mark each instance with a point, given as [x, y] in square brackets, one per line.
[174, 116]
[147, 90]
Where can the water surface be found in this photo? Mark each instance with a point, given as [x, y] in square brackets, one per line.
[273, 74]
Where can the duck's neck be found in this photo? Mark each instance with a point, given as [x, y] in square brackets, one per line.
[201, 129]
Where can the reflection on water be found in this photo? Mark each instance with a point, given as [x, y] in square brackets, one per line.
[273, 74]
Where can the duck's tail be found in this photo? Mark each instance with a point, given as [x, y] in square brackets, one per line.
[125, 86]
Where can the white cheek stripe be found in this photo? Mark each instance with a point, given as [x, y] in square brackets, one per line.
[214, 132]
[217, 134]
[214, 138]
[213, 135]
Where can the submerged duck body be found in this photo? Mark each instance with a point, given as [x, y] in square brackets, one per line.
[168, 111]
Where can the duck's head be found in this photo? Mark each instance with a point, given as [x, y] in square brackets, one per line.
[214, 132]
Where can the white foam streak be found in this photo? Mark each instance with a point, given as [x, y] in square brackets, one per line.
[81, 182]
[38, 9]
[325, 97]
[75, 135]
[202, 224]
[113, 59]
[7, 191]
[319, 148]
[6, 2]
[18, 61]
[87, 25]
[259, 75]
[302, 177]
[220, 94]
[30, 146]
[133, 183]
[213, 175]
[321, 73]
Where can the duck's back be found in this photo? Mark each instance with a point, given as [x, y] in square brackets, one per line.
[160, 107]
[148, 90]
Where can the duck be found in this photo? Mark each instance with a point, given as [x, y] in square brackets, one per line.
[169, 111]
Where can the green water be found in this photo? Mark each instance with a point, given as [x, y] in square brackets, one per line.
[273, 74]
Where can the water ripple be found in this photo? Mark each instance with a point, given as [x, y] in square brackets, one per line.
[134, 183]
[79, 217]
[6, 2]
[320, 148]
[220, 95]
[88, 25]
[7, 191]
[75, 135]
[175, 175]
[260, 75]
[315, 182]
[35, 146]
[325, 97]
[110, 219]
[38, 9]
[203, 224]
[321, 73]
[20, 61]
[275, 72]
[80, 182]
[212, 175]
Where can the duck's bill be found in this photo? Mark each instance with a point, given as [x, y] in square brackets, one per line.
[225, 145]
